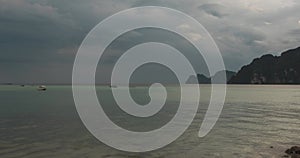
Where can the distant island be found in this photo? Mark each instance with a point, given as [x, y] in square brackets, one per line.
[202, 79]
[269, 69]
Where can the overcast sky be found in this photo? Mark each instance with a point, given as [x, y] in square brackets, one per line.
[39, 38]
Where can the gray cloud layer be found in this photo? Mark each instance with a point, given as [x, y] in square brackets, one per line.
[39, 39]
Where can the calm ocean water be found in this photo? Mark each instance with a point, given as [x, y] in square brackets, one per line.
[46, 124]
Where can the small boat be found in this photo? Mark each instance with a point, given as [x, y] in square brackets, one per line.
[112, 86]
[41, 88]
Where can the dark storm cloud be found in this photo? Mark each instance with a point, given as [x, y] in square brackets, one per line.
[246, 36]
[42, 37]
[216, 10]
[150, 3]
[31, 29]
[240, 44]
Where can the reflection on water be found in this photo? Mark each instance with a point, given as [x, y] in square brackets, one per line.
[254, 118]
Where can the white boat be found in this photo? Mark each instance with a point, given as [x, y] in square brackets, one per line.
[41, 88]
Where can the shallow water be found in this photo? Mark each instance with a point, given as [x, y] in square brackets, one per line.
[46, 124]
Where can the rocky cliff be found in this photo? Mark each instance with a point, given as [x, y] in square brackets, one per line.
[269, 69]
[202, 79]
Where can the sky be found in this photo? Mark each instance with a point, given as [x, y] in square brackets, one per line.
[39, 39]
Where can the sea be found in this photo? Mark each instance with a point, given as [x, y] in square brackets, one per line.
[257, 121]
